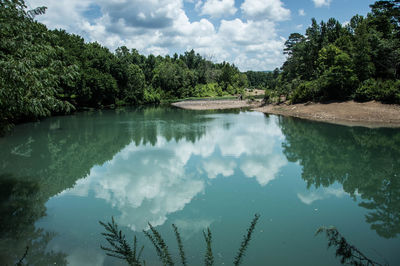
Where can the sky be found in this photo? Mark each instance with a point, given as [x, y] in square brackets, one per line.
[249, 33]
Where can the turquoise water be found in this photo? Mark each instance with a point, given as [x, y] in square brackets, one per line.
[60, 176]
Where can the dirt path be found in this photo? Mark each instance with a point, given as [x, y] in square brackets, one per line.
[370, 114]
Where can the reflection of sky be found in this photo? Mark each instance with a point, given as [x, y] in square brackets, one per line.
[234, 170]
[313, 195]
[146, 183]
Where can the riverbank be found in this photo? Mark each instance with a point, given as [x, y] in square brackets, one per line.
[216, 104]
[369, 114]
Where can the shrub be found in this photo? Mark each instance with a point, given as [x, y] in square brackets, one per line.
[387, 91]
[306, 91]
[151, 95]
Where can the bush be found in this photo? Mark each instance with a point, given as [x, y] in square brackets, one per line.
[151, 95]
[306, 91]
[267, 96]
[387, 91]
[271, 96]
[208, 90]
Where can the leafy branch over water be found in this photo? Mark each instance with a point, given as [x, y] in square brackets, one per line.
[180, 245]
[208, 257]
[119, 246]
[160, 246]
[347, 253]
[246, 240]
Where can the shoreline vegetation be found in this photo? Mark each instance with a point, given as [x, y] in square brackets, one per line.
[368, 114]
[52, 72]
[339, 73]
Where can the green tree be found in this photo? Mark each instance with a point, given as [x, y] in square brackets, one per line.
[135, 84]
[337, 79]
[98, 86]
[363, 65]
[30, 71]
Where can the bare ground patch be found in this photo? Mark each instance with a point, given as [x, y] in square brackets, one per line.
[370, 114]
[216, 104]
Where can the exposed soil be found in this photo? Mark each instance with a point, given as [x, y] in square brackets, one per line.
[216, 104]
[370, 114]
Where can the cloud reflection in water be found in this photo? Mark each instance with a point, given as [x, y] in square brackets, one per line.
[146, 183]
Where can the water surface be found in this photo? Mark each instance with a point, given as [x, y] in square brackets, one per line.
[60, 176]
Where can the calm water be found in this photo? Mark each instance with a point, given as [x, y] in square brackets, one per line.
[59, 177]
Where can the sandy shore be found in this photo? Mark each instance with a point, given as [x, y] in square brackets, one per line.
[216, 104]
[370, 114]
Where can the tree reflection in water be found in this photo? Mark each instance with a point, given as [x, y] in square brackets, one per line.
[21, 204]
[68, 152]
[50, 156]
[365, 161]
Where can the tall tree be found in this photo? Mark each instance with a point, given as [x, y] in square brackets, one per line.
[30, 71]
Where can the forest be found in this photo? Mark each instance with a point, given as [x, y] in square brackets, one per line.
[358, 60]
[46, 72]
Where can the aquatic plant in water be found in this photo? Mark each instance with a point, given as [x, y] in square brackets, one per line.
[121, 249]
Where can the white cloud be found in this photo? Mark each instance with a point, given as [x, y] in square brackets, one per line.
[302, 12]
[162, 27]
[265, 9]
[321, 3]
[264, 170]
[321, 194]
[217, 167]
[151, 182]
[142, 193]
[198, 5]
[299, 27]
[63, 13]
[255, 44]
[346, 23]
[219, 8]
[309, 198]
[189, 227]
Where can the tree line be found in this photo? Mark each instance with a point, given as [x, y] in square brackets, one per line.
[332, 61]
[45, 72]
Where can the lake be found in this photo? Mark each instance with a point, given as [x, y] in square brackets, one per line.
[197, 169]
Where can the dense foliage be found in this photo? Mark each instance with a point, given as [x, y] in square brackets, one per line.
[45, 72]
[360, 60]
[262, 79]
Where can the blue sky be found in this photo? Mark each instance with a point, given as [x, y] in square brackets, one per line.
[249, 33]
